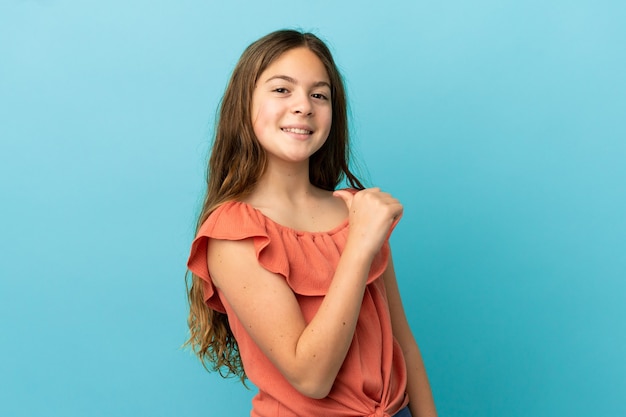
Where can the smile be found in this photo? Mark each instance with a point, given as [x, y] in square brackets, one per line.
[296, 130]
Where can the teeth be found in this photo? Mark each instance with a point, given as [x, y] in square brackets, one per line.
[296, 130]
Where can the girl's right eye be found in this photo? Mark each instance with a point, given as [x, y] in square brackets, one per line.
[280, 90]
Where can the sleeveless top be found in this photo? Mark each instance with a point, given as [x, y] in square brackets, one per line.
[372, 379]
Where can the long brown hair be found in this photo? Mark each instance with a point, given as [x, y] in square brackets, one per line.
[237, 161]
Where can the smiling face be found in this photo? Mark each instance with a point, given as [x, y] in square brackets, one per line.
[291, 106]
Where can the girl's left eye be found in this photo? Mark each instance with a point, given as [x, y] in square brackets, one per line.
[319, 96]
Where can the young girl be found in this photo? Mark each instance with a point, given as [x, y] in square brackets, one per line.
[293, 284]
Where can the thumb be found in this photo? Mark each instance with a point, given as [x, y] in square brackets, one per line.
[346, 196]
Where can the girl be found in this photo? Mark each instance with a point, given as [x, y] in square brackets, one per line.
[293, 284]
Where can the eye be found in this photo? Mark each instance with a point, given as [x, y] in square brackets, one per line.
[280, 90]
[319, 96]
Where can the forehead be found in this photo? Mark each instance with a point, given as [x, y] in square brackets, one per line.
[301, 64]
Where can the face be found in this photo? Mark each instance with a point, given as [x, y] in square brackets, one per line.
[291, 106]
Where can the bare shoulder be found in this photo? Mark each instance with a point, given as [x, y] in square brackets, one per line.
[332, 203]
[329, 210]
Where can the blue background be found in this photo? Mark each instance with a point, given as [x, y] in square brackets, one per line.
[500, 125]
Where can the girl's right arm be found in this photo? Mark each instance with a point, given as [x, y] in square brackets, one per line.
[308, 355]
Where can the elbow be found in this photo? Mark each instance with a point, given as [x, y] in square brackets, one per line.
[313, 389]
[313, 379]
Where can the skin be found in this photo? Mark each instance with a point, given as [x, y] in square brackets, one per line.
[293, 92]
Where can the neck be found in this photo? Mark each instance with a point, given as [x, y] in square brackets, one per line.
[283, 182]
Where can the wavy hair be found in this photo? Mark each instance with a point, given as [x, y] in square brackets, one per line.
[237, 161]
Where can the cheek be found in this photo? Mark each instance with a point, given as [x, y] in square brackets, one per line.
[264, 115]
[328, 120]
[257, 119]
[265, 121]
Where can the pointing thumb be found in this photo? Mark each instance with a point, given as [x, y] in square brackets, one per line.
[346, 196]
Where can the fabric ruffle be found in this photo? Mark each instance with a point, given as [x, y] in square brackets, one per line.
[307, 260]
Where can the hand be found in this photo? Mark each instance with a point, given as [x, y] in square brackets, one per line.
[371, 215]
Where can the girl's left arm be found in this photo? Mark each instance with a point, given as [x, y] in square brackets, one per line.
[421, 401]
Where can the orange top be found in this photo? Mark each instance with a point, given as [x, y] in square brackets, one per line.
[372, 379]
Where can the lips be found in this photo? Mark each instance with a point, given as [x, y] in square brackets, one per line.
[297, 130]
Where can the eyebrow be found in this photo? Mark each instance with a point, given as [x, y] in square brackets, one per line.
[293, 81]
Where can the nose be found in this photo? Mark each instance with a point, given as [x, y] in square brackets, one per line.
[302, 105]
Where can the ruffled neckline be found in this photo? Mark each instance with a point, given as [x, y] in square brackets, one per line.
[340, 227]
[307, 260]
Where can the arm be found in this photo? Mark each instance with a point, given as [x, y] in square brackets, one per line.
[308, 355]
[421, 401]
